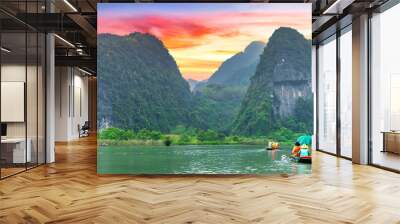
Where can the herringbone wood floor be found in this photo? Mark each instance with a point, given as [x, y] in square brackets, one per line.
[69, 191]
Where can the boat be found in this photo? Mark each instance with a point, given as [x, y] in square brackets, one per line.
[304, 159]
[272, 146]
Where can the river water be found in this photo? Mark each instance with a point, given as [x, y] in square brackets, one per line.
[196, 159]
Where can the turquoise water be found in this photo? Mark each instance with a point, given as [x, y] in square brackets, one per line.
[196, 159]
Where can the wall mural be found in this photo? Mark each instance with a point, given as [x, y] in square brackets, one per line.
[204, 88]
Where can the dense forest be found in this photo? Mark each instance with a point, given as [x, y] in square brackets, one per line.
[140, 85]
[263, 91]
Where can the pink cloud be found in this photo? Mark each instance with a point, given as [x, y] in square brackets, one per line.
[189, 30]
[171, 30]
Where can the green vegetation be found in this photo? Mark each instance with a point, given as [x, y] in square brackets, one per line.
[120, 134]
[216, 107]
[303, 114]
[284, 65]
[190, 136]
[141, 86]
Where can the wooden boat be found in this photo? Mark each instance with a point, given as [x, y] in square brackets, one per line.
[272, 146]
[303, 159]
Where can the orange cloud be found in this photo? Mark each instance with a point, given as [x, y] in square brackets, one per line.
[176, 43]
[174, 32]
[197, 76]
[199, 63]
[225, 52]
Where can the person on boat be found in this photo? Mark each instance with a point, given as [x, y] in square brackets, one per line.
[275, 145]
[305, 140]
[304, 151]
[296, 149]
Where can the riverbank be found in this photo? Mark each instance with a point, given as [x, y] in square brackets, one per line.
[175, 141]
[120, 137]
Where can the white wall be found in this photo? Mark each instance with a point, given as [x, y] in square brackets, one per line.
[71, 102]
[80, 110]
[17, 73]
[11, 73]
[33, 127]
[62, 82]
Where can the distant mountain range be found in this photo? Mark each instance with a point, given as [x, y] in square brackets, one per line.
[238, 69]
[194, 83]
[252, 93]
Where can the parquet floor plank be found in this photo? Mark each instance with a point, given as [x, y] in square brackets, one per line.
[70, 191]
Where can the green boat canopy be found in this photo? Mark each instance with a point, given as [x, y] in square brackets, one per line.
[305, 140]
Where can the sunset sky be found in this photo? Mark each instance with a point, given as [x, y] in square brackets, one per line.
[201, 36]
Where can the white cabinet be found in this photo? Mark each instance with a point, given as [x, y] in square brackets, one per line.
[19, 154]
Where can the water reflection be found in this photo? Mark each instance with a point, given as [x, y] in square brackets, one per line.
[225, 159]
